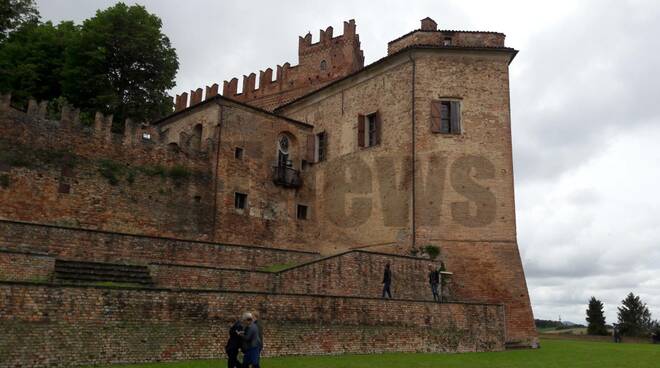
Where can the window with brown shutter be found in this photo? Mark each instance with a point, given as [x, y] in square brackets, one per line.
[369, 130]
[321, 146]
[445, 117]
[361, 142]
[311, 149]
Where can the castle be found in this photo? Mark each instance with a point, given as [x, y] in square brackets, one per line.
[287, 198]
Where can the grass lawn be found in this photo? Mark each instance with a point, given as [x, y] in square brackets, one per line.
[553, 354]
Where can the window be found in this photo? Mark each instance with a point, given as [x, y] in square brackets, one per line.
[301, 213]
[240, 200]
[238, 153]
[146, 136]
[321, 141]
[324, 65]
[446, 117]
[369, 128]
[446, 41]
[283, 159]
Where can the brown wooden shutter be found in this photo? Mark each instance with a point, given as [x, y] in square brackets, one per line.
[455, 116]
[436, 116]
[311, 148]
[360, 130]
[379, 129]
[325, 146]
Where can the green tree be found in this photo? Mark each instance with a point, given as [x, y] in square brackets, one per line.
[16, 13]
[595, 318]
[634, 316]
[123, 64]
[32, 58]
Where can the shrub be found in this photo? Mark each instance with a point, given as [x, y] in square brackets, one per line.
[111, 171]
[432, 251]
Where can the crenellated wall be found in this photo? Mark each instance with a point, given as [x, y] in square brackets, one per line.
[69, 173]
[319, 63]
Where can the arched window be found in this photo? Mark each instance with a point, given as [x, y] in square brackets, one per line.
[324, 65]
[283, 157]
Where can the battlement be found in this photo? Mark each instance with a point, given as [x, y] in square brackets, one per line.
[429, 35]
[321, 62]
[38, 117]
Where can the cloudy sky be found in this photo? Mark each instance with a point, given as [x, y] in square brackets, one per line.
[585, 108]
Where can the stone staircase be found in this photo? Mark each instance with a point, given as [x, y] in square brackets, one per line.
[102, 273]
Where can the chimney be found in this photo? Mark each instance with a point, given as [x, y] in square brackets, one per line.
[429, 24]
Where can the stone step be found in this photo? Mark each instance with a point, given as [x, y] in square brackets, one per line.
[69, 275]
[102, 271]
[94, 272]
[94, 279]
[98, 265]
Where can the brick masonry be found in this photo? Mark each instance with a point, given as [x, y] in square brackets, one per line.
[59, 326]
[25, 266]
[103, 246]
[354, 273]
[168, 202]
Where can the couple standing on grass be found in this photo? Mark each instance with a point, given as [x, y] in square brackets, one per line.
[247, 336]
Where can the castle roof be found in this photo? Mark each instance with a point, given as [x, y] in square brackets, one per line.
[384, 59]
[219, 97]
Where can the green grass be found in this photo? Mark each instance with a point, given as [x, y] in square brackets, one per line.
[553, 354]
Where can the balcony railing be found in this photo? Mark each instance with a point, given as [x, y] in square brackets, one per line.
[287, 177]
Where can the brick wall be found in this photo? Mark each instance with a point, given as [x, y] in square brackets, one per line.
[61, 172]
[463, 183]
[103, 246]
[355, 273]
[437, 38]
[359, 273]
[68, 326]
[200, 277]
[25, 266]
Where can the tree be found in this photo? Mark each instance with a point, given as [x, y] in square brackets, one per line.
[32, 58]
[596, 318]
[121, 63]
[634, 316]
[16, 13]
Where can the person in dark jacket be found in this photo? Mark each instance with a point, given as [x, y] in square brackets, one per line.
[387, 281]
[234, 343]
[257, 322]
[434, 281]
[251, 341]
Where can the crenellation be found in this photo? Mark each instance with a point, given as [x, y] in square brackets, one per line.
[130, 132]
[211, 91]
[249, 82]
[349, 29]
[196, 96]
[70, 117]
[265, 78]
[103, 126]
[319, 63]
[325, 36]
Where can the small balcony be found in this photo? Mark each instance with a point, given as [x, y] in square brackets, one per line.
[287, 177]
